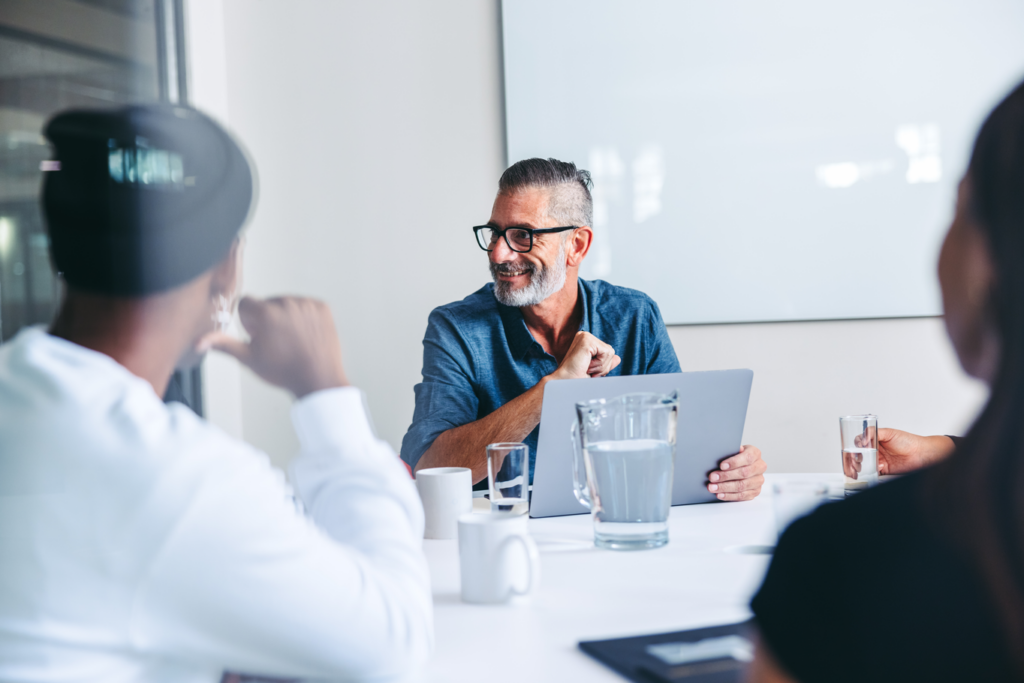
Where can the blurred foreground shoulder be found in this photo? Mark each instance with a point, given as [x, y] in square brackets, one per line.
[869, 589]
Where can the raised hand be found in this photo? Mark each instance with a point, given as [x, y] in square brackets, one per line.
[293, 343]
[588, 356]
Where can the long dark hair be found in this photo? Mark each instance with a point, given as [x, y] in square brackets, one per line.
[977, 496]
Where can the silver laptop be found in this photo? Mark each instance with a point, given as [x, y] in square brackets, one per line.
[712, 410]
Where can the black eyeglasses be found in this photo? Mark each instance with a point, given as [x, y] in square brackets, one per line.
[517, 239]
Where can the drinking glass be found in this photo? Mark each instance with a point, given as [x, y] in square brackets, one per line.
[508, 477]
[859, 435]
[624, 459]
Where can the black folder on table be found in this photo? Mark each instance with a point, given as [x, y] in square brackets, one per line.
[717, 654]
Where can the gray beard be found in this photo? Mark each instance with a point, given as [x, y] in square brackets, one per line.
[543, 283]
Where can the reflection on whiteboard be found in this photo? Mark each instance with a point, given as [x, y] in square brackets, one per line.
[753, 161]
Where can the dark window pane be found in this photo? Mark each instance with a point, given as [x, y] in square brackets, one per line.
[57, 54]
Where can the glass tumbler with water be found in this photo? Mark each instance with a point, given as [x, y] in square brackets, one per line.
[508, 477]
[859, 434]
[624, 460]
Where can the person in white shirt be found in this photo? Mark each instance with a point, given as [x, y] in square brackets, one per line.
[139, 542]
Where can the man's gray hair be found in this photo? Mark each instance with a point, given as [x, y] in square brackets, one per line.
[569, 187]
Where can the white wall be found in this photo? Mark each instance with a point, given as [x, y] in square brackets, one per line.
[808, 374]
[377, 130]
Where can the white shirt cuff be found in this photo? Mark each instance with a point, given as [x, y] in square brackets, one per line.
[332, 417]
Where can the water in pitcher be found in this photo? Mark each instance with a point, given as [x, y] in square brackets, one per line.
[862, 463]
[632, 491]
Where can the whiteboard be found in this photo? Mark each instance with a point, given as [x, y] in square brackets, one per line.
[760, 161]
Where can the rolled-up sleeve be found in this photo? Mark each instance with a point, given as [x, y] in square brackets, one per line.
[446, 398]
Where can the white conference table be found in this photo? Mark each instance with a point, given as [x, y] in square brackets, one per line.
[705, 576]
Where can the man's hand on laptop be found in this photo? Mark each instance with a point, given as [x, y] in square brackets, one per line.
[739, 477]
[588, 356]
[293, 343]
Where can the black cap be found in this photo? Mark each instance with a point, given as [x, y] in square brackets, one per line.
[143, 198]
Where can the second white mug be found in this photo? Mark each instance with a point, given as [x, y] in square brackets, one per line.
[497, 557]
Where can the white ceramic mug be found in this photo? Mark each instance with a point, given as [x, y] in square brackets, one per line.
[497, 557]
[447, 493]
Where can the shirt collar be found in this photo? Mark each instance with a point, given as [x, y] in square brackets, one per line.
[74, 363]
[520, 341]
[584, 297]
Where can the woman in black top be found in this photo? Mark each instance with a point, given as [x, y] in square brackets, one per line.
[922, 579]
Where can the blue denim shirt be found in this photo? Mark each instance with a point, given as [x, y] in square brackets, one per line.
[478, 354]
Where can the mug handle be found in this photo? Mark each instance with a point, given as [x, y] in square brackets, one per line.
[533, 559]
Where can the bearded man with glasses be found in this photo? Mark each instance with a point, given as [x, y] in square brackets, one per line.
[487, 358]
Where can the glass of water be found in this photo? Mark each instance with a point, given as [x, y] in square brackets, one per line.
[859, 434]
[508, 477]
[624, 452]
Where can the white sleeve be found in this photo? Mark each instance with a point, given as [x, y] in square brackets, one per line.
[248, 583]
[374, 489]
